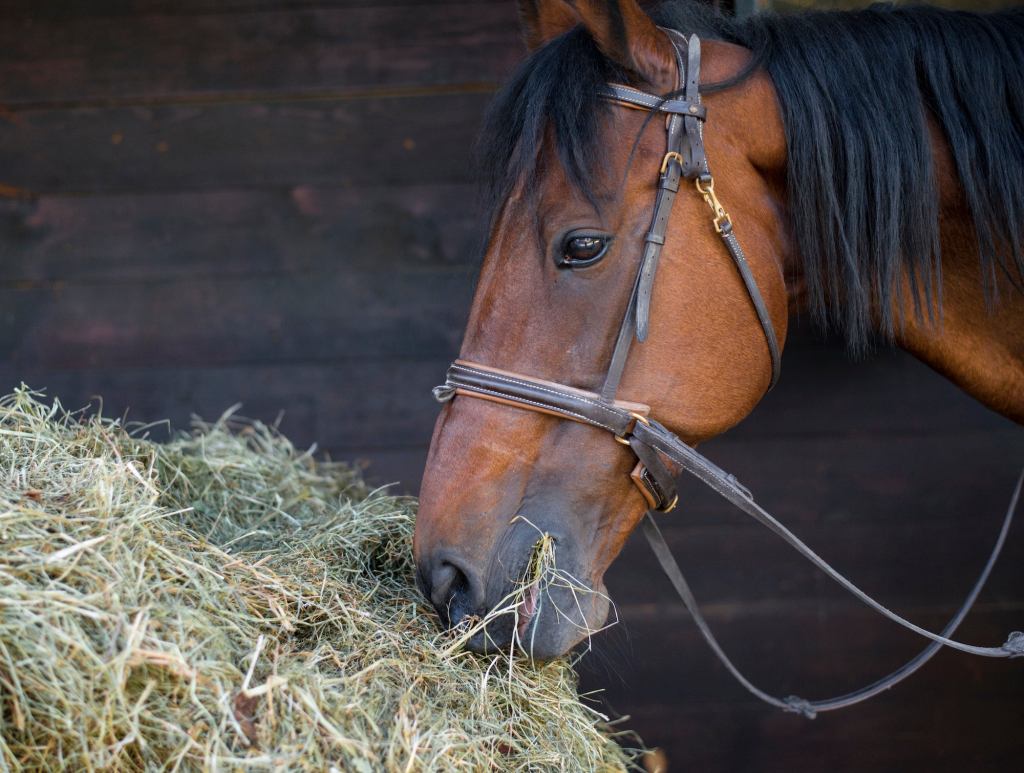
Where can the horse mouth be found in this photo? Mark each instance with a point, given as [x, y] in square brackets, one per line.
[526, 611]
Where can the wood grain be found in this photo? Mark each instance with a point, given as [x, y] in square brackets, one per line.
[55, 12]
[303, 229]
[958, 713]
[341, 407]
[292, 318]
[340, 142]
[156, 56]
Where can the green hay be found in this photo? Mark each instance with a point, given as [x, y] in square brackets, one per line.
[226, 602]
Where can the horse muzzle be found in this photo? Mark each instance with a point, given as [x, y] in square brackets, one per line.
[518, 601]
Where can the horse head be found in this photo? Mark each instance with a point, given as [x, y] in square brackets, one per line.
[575, 182]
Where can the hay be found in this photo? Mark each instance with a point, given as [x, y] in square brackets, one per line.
[225, 602]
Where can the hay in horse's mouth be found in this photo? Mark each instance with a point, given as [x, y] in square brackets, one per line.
[538, 574]
[539, 582]
[527, 607]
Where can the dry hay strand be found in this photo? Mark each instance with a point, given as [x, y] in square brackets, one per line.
[226, 602]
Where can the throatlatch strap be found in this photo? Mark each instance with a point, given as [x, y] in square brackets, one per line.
[732, 244]
[684, 159]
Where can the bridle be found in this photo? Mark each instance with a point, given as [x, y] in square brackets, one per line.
[661, 456]
[684, 159]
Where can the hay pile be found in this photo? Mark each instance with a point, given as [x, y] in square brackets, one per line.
[225, 602]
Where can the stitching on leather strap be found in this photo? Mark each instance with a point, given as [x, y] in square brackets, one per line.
[516, 399]
[534, 385]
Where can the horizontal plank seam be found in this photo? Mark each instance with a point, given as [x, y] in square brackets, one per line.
[12, 195]
[61, 284]
[22, 193]
[250, 97]
[239, 10]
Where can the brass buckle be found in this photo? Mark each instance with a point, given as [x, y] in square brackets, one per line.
[636, 417]
[706, 187]
[669, 157]
[671, 505]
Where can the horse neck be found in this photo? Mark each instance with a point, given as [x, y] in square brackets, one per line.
[976, 335]
[977, 339]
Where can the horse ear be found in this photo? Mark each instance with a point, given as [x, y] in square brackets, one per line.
[630, 38]
[544, 20]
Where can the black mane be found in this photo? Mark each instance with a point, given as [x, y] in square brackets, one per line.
[856, 90]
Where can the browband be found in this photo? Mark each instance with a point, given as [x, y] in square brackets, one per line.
[630, 97]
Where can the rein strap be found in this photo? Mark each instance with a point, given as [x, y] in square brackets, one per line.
[661, 456]
[668, 457]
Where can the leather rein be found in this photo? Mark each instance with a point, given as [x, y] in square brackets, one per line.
[661, 456]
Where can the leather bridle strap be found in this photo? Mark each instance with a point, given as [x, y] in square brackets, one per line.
[661, 455]
[684, 158]
[656, 436]
[652, 441]
[500, 386]
[636, 320]
[1014, 644]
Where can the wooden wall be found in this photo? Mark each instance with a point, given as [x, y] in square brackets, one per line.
[269, 201]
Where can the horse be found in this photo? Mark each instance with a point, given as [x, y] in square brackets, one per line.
[870, 162]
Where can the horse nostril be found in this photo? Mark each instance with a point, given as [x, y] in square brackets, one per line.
[442, 580]
[451, 592]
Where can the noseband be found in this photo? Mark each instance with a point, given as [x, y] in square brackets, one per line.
[661, 456]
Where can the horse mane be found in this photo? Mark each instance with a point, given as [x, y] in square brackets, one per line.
[856, 91]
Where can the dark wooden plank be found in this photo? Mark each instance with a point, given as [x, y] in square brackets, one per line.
[400, 466]
[352, 409]
[806, 648]
[341, 142]
[123, 238]
[377, 415]
[743, 563]
[888, 391]
[156, 57]
[337, 313]
[883, 477]
[683, 701]
[951, 728]
[343, 409]
[54, 10]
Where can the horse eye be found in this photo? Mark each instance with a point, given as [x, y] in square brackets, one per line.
[582, 250]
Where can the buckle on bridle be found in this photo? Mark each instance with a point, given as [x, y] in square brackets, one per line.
[672, 155]
[654, 492]
[624, 439]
